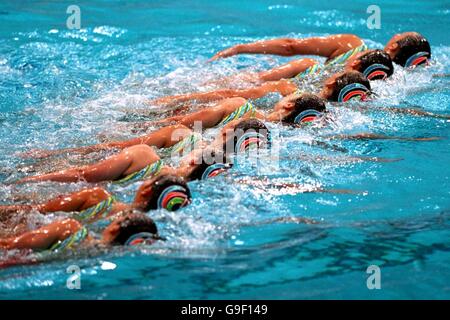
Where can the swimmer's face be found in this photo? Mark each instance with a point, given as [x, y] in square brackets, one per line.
[285, 104]
[392, 47]
[110, 233]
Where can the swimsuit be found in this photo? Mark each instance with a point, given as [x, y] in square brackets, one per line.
[187, 143]
[70, 241]
[339, 60]
[99, 211]
[317, 69]
[239, 113]
[151, 170]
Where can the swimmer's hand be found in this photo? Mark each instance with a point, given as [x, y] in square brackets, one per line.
[42, 153]
[36, 154]
[163, 101]
[232, 51]
[28, 179]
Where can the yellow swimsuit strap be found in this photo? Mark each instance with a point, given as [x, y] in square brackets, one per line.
[151, 170]
[99, 211]
[70, 241]
[341, 59]
[239, 113]
[187, 144]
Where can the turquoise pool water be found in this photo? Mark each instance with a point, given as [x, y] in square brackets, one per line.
[61, 87]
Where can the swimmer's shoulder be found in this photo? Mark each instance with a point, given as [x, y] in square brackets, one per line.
[344, 43]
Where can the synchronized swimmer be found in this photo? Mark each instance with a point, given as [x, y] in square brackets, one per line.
[346, 74]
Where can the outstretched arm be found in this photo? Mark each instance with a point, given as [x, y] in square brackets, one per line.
[345, 159]
[293, 188]
[408, 111]
[374, 136]
[418, 113]
[44, 237]
[329, 47]
[288, 70]
[76, 201]
[128, 161]
[284, 87]
[209, 117]
[161, 138]
[285, 71]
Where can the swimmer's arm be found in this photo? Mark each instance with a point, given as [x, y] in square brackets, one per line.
[38, 153]
[210, 117]
[418, 113]
[247, 78]
[8, 209]
[317, 158]
[287, 71]
[294, 187]
[408, 111]
[373, 136]
[44, 237]
[284, 87]
[162, 138]
[329, 47]
[291, 219]
[366, 159]
[76, 201]
[111, 168]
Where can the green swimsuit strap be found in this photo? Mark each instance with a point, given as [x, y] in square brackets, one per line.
[99, 211]
[70, 241]
[151, 170]
[341, 59]
[187, 143]
[311, 70]
[239, 113]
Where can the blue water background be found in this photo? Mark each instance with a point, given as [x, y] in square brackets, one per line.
[61, 87]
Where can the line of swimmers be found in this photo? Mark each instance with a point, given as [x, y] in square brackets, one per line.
[242, 128]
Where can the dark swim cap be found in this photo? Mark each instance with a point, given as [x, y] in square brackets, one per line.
[134, 229]
[414, 50]
[350, 85]
[212, 163]
[169, 192]
[376, 65]
[248, 134]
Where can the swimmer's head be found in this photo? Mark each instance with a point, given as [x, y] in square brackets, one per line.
[303, 108]
[345, 86]
[247, 134]
[209, 164]
[131, 229]
[409, 49]
[163, 192]
[374, 64]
